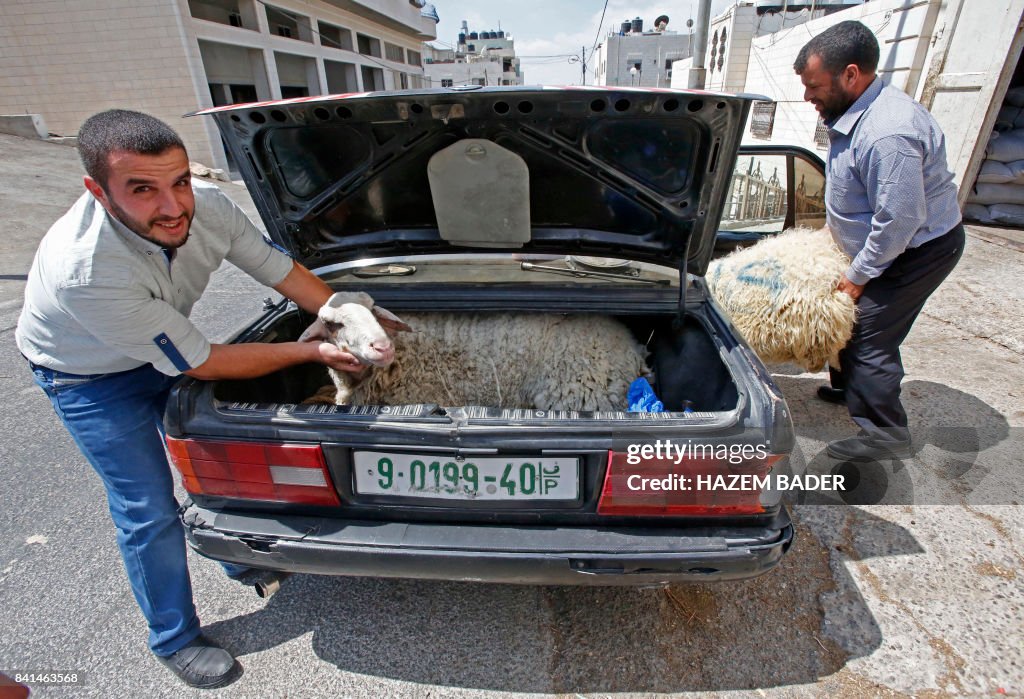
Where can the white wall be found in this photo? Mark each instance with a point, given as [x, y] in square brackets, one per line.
[903, 28]
[618, 53]
[68, 61]
[466, 73]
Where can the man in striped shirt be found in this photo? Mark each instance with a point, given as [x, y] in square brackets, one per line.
[891, 205]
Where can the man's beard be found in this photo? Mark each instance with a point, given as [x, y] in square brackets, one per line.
[839, 102]
[143, 231]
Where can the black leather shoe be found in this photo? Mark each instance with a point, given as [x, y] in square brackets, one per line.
[832, 395]
[203, 664]
[864, 449]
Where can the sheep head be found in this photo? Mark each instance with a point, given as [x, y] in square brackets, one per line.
[356, 325]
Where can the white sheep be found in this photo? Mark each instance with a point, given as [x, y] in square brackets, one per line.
[781, 295]
[537, 361]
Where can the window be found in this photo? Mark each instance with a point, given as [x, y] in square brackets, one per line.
[368, 46]
[288, 24]
[821, 135]
[394, 53]
[403, 81]
[373, 78]
[810, 194]
[757, 195]
[446, 82]
[335, 37]
[479, 81]
[414, 57]
[762, 119]
[235, 19]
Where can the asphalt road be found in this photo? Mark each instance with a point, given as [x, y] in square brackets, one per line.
[919, 594]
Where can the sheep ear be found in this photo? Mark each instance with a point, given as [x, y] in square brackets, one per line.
[342, 297]
[317, 331]
[389, 321]
[328, 314]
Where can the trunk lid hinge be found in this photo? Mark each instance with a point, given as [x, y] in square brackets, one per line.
[677, 322]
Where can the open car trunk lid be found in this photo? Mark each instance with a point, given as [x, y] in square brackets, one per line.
[639, 174]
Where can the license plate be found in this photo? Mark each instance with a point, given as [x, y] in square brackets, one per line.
[471, 478]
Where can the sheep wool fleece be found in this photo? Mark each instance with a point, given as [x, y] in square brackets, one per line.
[781, 295]
[539, 361]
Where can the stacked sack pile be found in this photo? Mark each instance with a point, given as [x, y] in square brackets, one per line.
[998, 193]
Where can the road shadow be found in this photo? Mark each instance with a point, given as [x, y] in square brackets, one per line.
[765, 632]
[801, 622]
[964, 451]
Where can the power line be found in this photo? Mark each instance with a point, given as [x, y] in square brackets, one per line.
[600, 25]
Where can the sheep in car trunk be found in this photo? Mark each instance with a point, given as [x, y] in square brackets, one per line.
[541, 361]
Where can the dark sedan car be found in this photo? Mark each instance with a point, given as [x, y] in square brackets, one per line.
[504, 201]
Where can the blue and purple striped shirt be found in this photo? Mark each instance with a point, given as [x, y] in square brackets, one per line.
[888, 187]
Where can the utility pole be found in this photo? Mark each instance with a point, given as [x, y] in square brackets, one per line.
[584, 54]
[700, 45]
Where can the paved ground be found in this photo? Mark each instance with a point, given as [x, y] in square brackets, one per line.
[895, 595]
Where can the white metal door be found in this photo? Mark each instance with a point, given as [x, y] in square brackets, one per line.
[977, 45]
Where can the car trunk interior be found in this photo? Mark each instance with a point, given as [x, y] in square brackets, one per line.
[687, 366]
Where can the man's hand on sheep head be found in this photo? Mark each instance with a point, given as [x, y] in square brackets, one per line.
[354, 325]
[339, 360]
[330, 354]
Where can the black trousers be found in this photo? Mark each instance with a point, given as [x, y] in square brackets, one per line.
[871, 366]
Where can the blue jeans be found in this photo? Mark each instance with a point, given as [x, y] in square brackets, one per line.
[117, 422]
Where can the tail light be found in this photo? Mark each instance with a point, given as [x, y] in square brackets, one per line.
[267, 471]
[694, 487]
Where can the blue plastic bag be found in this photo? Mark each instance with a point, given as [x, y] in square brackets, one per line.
[642, 399]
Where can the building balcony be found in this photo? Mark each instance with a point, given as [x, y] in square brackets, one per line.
[400, 15]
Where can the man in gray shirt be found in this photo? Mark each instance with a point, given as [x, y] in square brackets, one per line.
[891, 205]
[106, 332]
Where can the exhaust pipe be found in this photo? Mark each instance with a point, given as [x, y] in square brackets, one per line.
[270, 583]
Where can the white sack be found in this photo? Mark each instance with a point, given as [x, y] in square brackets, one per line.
[989, 194]
[995, 172]
[977, 212]
[1007, 214]
[1007, 147]
[1017, 170]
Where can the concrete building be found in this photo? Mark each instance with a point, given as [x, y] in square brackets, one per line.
[961, 59]
[731, 35]
[480, 58]
[632, 57]
[67, 60]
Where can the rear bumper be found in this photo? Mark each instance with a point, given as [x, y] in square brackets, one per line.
[535, 555]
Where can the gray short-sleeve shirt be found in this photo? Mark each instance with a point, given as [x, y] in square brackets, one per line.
[101, 299]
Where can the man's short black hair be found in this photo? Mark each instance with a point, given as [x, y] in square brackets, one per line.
[121, 130]
[838, 46]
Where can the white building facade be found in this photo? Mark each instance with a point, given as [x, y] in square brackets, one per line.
[958, 58]
[635, 58]
[480, 58]
[67, 61]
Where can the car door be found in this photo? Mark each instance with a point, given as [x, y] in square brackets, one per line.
[772, 188]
